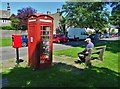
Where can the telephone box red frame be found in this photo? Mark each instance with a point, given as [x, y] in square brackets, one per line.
[40, 45]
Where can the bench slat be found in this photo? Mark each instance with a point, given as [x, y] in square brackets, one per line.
[96, 51]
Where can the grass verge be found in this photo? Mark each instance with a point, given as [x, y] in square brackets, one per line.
[5, 42]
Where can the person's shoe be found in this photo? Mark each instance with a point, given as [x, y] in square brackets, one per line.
[78, 61]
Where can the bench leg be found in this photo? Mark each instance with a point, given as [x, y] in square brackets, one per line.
[101, 53]
[88, 63]
[88, 60]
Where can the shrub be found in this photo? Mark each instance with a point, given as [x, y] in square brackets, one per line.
[7, 28]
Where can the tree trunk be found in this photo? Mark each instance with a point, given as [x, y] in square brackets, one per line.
[118, 31]
[64, 30]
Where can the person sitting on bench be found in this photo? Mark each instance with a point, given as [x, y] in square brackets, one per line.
[84, 53]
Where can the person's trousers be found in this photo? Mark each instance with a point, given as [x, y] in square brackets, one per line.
[82, 56]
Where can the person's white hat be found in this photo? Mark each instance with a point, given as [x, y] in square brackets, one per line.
[87, 39]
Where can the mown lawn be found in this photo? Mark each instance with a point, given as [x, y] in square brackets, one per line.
[103, 74]
[5, 42]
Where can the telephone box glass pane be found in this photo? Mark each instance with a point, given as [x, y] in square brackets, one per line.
[46, 28]
[46, 38]
[45, 48]
[46, 33]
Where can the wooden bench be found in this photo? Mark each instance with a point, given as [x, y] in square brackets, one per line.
[96, 50]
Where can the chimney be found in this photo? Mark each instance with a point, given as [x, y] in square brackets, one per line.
[58, 10]
[8, 6]
[48, 12]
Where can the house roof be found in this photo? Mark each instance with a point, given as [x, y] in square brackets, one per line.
[39, 14]
[4, 14]
[56, 15]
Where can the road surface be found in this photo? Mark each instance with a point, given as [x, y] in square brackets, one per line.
[10, 52]
[7, 53]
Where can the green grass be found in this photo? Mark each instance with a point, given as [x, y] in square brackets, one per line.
[62, 76]
[103, 74]
[110, 59]
[5, 42]
[110, 55]
[71, 52]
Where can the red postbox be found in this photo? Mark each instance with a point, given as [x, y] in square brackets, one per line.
[40, 46]
[16, 41]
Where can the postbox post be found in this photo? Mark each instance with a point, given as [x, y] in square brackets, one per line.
[17, 56]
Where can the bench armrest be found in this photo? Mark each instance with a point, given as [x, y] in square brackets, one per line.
[100, 47]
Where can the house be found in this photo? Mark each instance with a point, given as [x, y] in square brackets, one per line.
[57, 17]
[5, 16]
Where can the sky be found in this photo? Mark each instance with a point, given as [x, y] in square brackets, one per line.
[41, 7]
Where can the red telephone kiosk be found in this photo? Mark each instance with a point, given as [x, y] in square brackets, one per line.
[40, 46]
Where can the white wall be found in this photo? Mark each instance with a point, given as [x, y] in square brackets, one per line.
[5, 22]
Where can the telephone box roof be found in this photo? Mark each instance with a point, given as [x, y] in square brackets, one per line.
[39, 14]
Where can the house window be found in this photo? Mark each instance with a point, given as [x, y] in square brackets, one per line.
[4, 21]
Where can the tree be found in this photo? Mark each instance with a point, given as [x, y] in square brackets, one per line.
[115, 15]
[86, 14]
[23, 16]
[14, 22]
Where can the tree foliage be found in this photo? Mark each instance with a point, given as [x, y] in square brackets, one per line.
[115, 18]
[14, 22]
[115, 15]
[23, 14]
[86, 14]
